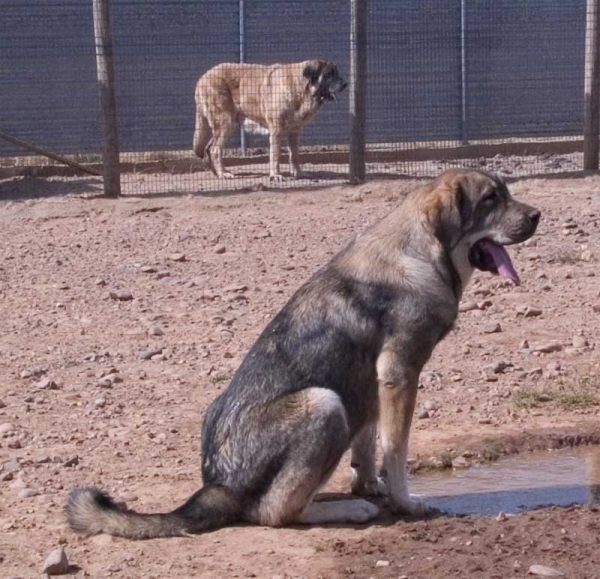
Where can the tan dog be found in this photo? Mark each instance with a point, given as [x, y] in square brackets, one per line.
[343, 355]
[279, 98]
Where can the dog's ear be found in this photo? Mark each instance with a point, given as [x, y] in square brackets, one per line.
[447, 209]
[312, 71]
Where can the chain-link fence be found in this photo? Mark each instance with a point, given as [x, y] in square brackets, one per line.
[498, 85]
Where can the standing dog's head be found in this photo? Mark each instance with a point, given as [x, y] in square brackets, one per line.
[324, 79]
[474, 217]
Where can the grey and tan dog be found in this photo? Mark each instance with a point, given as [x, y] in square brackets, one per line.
[343, 355]
[279, 99]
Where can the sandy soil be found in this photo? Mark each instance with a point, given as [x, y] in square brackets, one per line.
[200, 275]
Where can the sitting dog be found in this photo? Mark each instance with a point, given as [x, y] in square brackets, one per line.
[279, 99]
[343, 355]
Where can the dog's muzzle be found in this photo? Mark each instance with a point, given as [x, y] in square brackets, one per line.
[489, 255]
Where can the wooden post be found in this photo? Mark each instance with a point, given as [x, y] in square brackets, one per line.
[592, 88]
[358, 83]
[106, 87]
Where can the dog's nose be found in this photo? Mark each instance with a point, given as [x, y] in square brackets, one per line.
[534, 217]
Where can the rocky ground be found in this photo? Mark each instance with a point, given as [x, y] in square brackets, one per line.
[122, 320]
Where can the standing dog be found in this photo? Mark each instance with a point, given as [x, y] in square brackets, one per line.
[280, 99]
[344, 353]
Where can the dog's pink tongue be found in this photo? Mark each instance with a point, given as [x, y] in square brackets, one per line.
[502, 261]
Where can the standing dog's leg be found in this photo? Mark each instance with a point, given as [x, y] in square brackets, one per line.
[274, 150]
[397, 399]
[364, 470]
[294, 150]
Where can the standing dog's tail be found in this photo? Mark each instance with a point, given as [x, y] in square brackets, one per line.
[202, 131]
[91, 511]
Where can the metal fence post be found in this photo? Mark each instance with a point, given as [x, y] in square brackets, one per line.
[464, 126]
[592, 87]
[358, 76]
[242, 17]
[106, 87]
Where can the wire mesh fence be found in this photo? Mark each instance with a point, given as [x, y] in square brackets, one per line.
[497, 85]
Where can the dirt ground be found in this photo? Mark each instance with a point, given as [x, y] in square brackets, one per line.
[112, 391]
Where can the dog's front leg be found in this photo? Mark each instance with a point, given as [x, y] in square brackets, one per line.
[397, 399]
[294, 150]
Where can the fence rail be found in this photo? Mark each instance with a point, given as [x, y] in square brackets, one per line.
[503, 85]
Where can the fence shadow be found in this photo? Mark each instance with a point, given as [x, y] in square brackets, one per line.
[24, 188]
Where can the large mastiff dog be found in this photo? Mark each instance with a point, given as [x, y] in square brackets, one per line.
[343, 355]
[279, 99]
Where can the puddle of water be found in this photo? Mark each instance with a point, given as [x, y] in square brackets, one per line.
[516, 484]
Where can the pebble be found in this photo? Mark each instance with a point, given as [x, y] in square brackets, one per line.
[423, 414]
[382, 563]
[501, 517]
[147, 269]
[121, 295]
[467, 307]
[547, 348]
[219, 249]
[155, 331]
[147, 354]
[579, 342]
[6, 427]
[177, 257]
[163, 274]
[27, 493]
[430, 405]
[460, 462]
[499, 367]
[46, 384]
[100, 402]
[56, 562]
[542, 571]
[531, 312]
[492, 328]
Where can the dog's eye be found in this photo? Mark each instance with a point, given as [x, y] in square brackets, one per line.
[490, 197]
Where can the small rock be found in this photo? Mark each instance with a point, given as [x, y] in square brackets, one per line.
[423, 414]
[163, 274]
[460, 462]
[499, 367]
[121, 295]
[492, 328]
[524, 344]
[155, 331]
[542, 571]
[219, 249]
[6, 427]
[429, 405]
[467, 307]
[531, 312]
[547, 348]
[177, 257]
[100, 402]
[27, 493]
[147, 354]
[382, 563]
[596, 308]
[147, 269]
[501, 517]
[46, 384]
[73, 461]
[100, 282]
[56, 562]
[579, 342]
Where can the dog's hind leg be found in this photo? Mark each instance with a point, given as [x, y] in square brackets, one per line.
[365, 481]
[318, 438]
[202, 133]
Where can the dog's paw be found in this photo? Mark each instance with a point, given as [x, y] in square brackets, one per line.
[361, 511]
[412, 506]
[368, 488]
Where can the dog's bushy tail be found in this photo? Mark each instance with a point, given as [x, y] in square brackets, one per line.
[202, 131]
[91, 511]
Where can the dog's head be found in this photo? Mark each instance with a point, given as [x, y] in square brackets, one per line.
[324, 79]
[474, 217]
